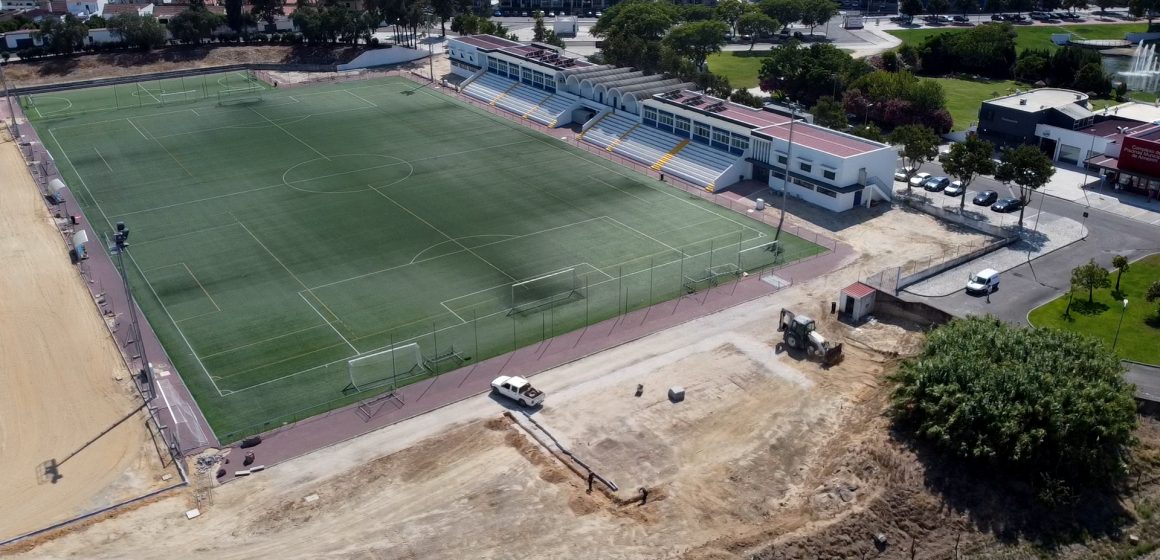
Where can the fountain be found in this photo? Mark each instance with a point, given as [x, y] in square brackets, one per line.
[1144, 73]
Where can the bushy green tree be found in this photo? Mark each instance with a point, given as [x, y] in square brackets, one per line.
[632, 31]
[911, 8]
[1028, 168]
[1152, 294]
[63, 36]
[1090, 277]
[828, 112]
[194, 25]
[919, 145]
[697, 40]
[729, 11]
[1091, 78]
[265, 10]
[1025, 402]
[140, 32]
[988, 50]
[1121, 264]
[756, 24]
[818, 12]
[967, 160]
[787, 12]
[744, 97]
[805, 74]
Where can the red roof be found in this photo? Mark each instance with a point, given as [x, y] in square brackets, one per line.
[727, 109]
[857, 290]
[114, 9]
[487, 41]
[822, 139]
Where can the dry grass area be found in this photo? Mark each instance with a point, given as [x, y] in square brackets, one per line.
[128, 63]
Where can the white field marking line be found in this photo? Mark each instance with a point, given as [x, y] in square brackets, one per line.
[200, 200]
[138, 129]
[109, 167]
[271, 339]
[283, 360]
[179, 164]
[643, 234]
[198, 316]
[120, 119]
[180, 235]
[291, 273]
[146, 90]
[440, 232]
[203, 290]
[674, 230]
[290, 134]
[194, 111]
[371, 168]
[461, 321]
[497, 313]
[396, 267]
[618, 188]
[360, 98]
[332, 327]
[285, 120]
[464, 237]
[135, 264]
[54, 111]
[508, 285]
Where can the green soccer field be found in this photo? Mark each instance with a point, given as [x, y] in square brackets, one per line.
[279, 234]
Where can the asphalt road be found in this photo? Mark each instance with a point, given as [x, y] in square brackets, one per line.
[1038, 281]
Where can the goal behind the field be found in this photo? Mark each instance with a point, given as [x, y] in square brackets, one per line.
[544, 291]
[385, 368]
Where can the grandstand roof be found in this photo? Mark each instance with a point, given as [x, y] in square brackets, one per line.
[605, 76]
[821, 139]
[487, 42]
[727, 110]
[583, 71]
[646, 89]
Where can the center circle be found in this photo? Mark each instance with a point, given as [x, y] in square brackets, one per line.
[349, 173]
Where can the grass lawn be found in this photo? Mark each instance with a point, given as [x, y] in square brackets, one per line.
[964, 97]
[1034, 37]
[278, 234]
[1141, 329]
[740, 67]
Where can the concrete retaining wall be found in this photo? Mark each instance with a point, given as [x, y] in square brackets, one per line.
[918, 202]
[383, 57]
[63, 86]
[949, 264]
[921, 313]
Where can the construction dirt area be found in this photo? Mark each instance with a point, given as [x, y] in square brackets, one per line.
[768, 456]
[65, 393]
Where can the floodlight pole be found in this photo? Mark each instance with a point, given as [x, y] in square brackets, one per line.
[11, 110]
[120, 240]
[785, 179]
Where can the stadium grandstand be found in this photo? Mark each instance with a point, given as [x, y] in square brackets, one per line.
[663, 123]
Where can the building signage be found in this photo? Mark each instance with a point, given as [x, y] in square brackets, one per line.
[1141, 156]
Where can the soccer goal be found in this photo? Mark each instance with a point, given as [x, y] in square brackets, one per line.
[545, 291]
[385, 367]
[177, 97]
[234, 96]
[711, 277]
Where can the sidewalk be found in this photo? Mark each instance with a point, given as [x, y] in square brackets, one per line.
[1077, 186]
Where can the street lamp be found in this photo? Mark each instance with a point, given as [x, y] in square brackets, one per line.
[121, 246]
[1121, 323]
[788, 164]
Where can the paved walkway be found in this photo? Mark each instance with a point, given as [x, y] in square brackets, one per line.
[1072, 183]
[1146, 378]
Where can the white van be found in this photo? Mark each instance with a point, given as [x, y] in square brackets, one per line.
[983, 282]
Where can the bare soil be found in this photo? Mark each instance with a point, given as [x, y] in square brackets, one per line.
[62, 380]
[128, 63]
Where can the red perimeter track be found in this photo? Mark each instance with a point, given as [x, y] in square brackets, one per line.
[293, 440]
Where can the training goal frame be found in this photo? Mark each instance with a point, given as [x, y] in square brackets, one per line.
[397, 362]
[544, 290]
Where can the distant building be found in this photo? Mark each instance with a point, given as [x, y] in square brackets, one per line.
[1011, 120]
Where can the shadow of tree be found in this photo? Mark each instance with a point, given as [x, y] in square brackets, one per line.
[1006, 506]
[1153, 321]
[58, 66]
[1084, 307]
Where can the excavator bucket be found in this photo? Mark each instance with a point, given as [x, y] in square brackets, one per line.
[832, 355]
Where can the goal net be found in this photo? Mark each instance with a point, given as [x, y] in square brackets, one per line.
[710, 277]
[177, 97]
[544, 291]
[249, 94]
[384, 368]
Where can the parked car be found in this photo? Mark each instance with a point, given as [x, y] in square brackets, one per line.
[983, 282]
[961, 19]
[1005, 205]
[517, 389]
[936, 184]
[919, 178]
[900, 175]
[985, 198]
[599, 14]
[497, 13]
[551, 14]
[954, 189]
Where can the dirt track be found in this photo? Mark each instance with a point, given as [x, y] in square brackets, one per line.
[62, 381]
[750, 454]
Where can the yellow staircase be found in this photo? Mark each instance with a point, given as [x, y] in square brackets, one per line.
[712, 187]
[616, 142]
[581, 135]
[504, 94]
[537, 105]
[672, 154]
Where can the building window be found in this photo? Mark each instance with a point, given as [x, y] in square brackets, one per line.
[805, 167]
[700, 129]
[782, 159]
[827, 192]
[829, 174]
[665, 118]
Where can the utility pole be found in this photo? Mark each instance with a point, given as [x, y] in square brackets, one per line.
[121, 244]
[788, 163]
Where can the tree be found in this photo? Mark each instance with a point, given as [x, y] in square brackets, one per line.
[265, 10]
[632, 32]
[743, 97]
[919, 145]
[911, 8]
[1105, 4]
[1025, 403]
[1028, 168]
[695, 12]
[966, 6]
[140, 32]
[938, 7]
[828, 112]
[444, 10]
[234, 14]
[1120, 263]
[96, 22]
[729, 11]
[818, 12]
[787, 12]
[805, 74]
[868, 131]
[1152, 294]
[756, 24]
[1091, 78]
[697, 40]
[551, 38]
[1073, 5]
[194, 25]
[1090, 276]
[967, 160]
[538, 30]
[63, 36]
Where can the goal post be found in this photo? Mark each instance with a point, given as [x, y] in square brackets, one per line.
[546, 290]
[385, 367]
[240, 95]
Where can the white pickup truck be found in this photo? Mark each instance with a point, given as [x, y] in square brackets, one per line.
[518, 389]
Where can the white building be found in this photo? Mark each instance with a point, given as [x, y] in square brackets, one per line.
[85, 8]
[662, 124]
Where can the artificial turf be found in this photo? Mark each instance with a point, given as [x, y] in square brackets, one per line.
[276, 238]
